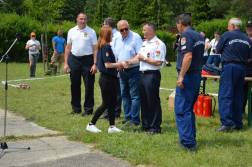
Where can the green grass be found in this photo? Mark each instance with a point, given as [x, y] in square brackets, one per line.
[47, 103]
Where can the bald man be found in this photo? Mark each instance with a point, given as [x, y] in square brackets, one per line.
[235, 49]
[125, 47]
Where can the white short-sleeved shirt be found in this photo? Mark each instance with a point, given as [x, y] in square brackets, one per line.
[206, 52]
[154, 49]
[213, 44]
[82, 40]
[33, 49]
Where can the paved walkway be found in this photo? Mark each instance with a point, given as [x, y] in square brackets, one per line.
[48, 151]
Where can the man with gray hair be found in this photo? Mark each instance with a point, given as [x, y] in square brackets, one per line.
[126, 47]
[235, 49]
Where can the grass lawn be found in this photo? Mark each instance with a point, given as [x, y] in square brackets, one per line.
[47, 103]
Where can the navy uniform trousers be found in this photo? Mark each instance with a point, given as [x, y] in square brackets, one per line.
[231, 95]
[80, 67]
[151, 112]
[184, 103]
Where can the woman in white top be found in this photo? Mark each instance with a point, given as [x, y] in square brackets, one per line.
[33, 46]
[214, 58]
[205, 56]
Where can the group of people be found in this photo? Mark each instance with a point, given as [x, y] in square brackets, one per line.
[129, 70]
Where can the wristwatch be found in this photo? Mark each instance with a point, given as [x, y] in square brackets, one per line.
[144, 59]
[95, 64]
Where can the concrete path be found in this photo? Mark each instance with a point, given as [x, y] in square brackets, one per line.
[48, 151]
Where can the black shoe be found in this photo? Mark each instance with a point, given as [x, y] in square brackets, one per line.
[75, 112]
[123, 122]
[154, 132]
[183, 148]
[142, 129]
[131, 124]
[84, 114]
[237, 128]
[225, 128]
[177, 142]
[105, 116]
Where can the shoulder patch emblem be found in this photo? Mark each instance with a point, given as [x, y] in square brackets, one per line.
[157, 42]
[183, 47]
[249, 22]
[183, 41]
[85, 34]
[148, 55]
[158, 53]
[107, 54]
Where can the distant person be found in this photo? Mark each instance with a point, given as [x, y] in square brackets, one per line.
[110, 22]
[214, 57]
[81, 42]
[34, 47]
[205, 56]
[236, 49]
[248, 66]
[59, 44]
[106, 64]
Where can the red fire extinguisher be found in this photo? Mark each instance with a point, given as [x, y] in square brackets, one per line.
[203, 105]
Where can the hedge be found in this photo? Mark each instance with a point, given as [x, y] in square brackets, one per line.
[12, 23]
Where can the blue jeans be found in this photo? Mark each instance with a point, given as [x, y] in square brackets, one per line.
[214, 59]
[129, 82]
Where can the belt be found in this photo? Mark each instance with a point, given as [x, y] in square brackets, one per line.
[149, 71]
[129, 69]
[192, 71]
[34, 54]
[84, 56]
[233, 62]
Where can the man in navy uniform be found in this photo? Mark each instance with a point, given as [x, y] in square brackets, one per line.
[190, 53]
[151, 57]
[235, 49]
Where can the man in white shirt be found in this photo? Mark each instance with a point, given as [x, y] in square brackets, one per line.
[81, 42]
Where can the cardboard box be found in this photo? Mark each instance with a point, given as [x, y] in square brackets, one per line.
[171, 99]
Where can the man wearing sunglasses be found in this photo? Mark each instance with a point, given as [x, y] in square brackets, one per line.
[126, 47]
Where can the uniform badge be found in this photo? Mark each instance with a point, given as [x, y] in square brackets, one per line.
[158, 53]
[183, 41]
[107, 54]
[183, 47]
[249, 22]
[148, 55]
[85, 34]
[157, 42]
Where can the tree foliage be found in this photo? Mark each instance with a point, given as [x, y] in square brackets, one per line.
[116, 8]
[71, 9]
[13, 6]
[101, 12]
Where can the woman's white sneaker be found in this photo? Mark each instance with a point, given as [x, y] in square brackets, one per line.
[114, 129]
[92, 128]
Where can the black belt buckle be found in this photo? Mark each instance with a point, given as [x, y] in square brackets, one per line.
[128, 69]
[149, 71]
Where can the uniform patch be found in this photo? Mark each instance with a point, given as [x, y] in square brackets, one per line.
[157, 42]
[158, 53]
[183, 47]
[107, 54]
[249, 22]
[85, 34]
[183, 41]
[148, 55]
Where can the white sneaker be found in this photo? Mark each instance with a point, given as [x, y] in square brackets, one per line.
[114, 129]
[92, 128]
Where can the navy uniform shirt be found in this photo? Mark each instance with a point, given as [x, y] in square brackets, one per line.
[191, 41]
[234, 46]
[105, 55]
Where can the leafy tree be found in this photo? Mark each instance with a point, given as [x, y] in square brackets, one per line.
[116, 8]
[13, 6]
[38, 8]
[200, 11]
[101, 12]
[71, 9]
[89, 9]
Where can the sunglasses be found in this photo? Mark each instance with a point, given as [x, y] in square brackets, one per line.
[33, 36]
[125, 29]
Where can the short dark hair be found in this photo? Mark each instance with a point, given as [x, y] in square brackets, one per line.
[184, 19]
[151, 24]
[217, 32]
[204, 33]
[110, 21]
[81, 13]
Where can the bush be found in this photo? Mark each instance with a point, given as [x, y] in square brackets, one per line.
[12, 23]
